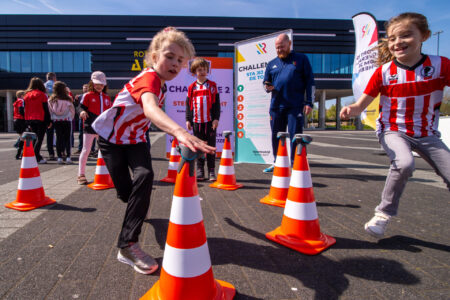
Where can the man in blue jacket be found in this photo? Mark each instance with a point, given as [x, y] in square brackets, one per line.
[288, 77]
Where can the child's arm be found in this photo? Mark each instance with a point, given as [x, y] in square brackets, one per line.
[165, 123]
[356, 108]
[215, 112]
[189, 116]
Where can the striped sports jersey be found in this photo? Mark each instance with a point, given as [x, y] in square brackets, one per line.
[125, 122]
[410, 98]
[201, 98]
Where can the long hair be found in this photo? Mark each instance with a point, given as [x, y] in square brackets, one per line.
[91, 87]
[419, 20]
[59, 92]
[36, 84]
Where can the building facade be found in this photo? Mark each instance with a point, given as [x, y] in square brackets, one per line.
[73, 46]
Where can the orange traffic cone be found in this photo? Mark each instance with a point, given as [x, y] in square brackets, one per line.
[102, 179]
[300, 229]
[281, 175]
[226, 180]
[186, 271]
[30, 193]
[173, 163]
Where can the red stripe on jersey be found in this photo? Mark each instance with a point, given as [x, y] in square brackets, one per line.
[393, 115]
[123, 127]
[134, 129]
[409, 116]
[423, 116]
[410, 75]
[413, 88]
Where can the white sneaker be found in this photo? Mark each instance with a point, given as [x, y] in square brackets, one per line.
[377, 225]
[68, 161]
[60, 161]
[42, 161]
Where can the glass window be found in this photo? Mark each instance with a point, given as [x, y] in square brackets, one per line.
[4, 58]
[36, 61]
[25, 61]
[87, 62]
[78, 62]
[15, 62]
[335, 66]
[68, 62]
[57, 61]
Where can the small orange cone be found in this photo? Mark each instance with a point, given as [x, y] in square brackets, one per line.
[226, 180]
[102, 179]
[30, 193]
[300, 229]
[173, 163]
[281, 175]
[186, 271]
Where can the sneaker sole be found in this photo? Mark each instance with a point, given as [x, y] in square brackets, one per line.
[367, 229]
[125, 260]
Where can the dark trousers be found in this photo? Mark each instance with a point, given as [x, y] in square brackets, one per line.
[50, 133]
[19, 127]
[39, 128]
[279, 119]
[135, 190]
[63, 131]
[205, 132]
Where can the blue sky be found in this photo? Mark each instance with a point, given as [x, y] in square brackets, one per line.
[437, 11]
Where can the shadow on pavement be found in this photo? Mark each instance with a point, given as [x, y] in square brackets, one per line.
[319, 273]
[65, 207]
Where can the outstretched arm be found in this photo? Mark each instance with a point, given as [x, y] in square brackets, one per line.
[356, 108]
[166, 124]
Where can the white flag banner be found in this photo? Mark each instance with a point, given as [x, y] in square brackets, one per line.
[364, 65]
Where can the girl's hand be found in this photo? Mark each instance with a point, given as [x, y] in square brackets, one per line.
[188, 125]
[83, 115]
[345, 112]
[193, 142]
[215, 124]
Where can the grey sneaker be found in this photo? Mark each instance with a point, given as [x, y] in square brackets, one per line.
[60, 161]
[377, 225]
[138, 259]
[200, 174]
[212, 175]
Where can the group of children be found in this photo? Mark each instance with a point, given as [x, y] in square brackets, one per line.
[411, 86]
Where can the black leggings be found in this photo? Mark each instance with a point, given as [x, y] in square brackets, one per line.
[37, 127]
[205, 132]
[136, 190]
[62, 129]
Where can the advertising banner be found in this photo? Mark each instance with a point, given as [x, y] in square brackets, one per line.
[364, 65]
[221, 72]
[253, 140]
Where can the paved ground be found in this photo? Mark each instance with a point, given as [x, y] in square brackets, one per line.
[67, 251]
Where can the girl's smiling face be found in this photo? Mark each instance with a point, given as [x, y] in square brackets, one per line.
[405, 42]
[168, 61]
[98, 87]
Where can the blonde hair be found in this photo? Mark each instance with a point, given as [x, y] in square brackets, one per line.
[197, 63]
[171, 35]
[419, 20]
[20, 94]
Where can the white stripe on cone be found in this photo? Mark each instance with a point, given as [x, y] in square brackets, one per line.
[30, 183]
[173, 165]
[29, 162]
[280, 182]
[173, 152]
[301, 179]
[226, 170]
[282, 161]
[186, 210]
[186, 263]
[101, 170]
[301, 211]
[227, 153]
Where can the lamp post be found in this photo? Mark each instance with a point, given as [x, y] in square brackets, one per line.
[438, 33]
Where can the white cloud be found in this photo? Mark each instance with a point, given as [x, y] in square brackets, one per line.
[48, 5]
[25, 4]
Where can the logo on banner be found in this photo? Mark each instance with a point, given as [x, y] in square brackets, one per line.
[365, 30]
[261, 48]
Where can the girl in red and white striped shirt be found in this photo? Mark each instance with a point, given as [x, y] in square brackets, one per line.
[121, 131]
[411, 87]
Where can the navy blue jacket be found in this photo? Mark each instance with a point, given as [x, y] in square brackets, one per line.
[291, 77]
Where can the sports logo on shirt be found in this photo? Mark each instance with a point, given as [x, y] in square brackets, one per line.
[274, 67]
[427, 71]
[393, 77]
[213, 90]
